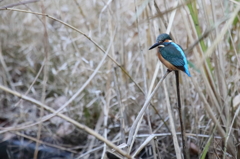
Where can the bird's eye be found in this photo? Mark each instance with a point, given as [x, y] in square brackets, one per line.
[160, 41]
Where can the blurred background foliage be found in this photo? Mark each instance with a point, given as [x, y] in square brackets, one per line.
[49, 61]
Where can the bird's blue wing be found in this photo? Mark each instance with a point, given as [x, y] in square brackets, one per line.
[173, 53]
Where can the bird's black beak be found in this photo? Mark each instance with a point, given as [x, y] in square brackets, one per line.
[154, 45]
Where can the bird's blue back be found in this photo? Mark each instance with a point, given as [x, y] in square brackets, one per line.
[174, 54]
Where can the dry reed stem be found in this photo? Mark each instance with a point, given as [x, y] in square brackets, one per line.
[137, 122]
[45, 79]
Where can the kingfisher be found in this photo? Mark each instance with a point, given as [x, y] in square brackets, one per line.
[171, 54]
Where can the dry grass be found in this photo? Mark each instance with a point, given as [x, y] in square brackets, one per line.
[77, 76]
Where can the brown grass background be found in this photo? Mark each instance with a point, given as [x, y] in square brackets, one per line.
[52, 58]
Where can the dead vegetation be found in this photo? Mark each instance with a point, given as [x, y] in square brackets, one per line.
[75, 77]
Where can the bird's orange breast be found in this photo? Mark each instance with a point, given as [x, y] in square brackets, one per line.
[166, 63]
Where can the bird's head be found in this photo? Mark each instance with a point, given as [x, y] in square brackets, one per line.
[160, 39]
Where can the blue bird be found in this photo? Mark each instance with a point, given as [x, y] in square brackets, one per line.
[171, 54]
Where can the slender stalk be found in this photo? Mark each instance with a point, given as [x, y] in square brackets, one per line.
[172, 122]
[136, 124]
[184, 139]
[44, 83]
